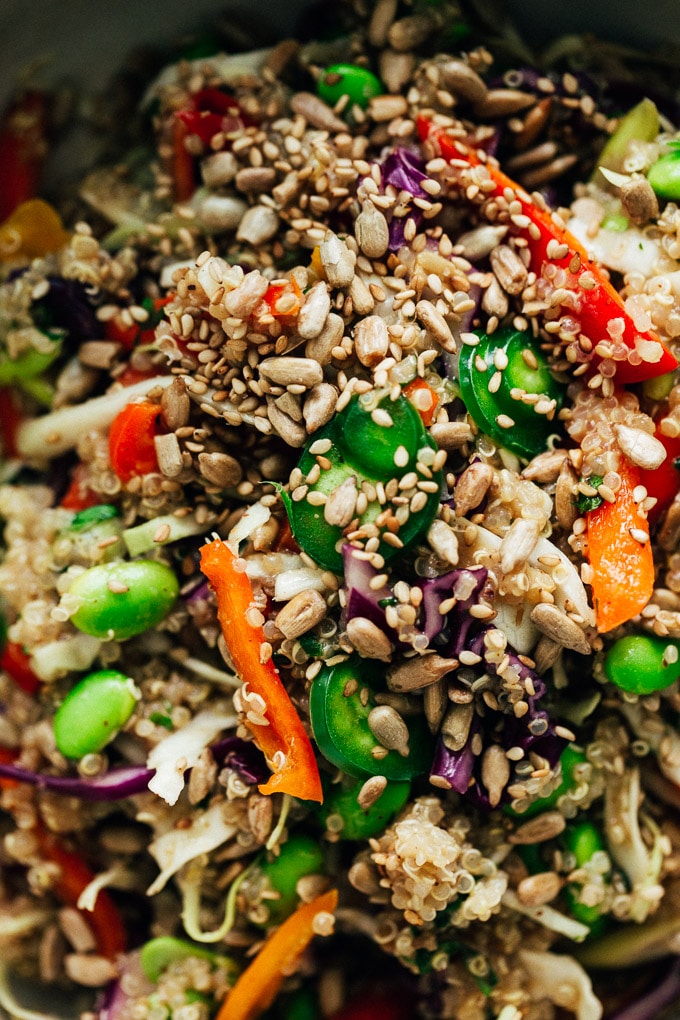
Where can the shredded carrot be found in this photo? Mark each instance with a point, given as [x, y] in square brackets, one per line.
[623, 566]
[258, 985]
[283, 740]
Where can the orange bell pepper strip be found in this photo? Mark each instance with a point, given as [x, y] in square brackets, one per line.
[622, 563]
[259, 984]
[284, 742]
[74, 875]
[597, 302]
[131, 440]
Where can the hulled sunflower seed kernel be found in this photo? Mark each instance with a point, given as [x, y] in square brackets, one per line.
[545, 467]
[314, 312]
[443, 540]
[219, 169]
[566, 508]
[389, 729]
[503, 103]
[386, 107]
[557, 626]
[175, 405]
[436, 324]
[455, 727]
[290, 431]
[371, 231]
[462, 80]
[421, 671]
[495, 773]
[290, 370]
[244, 299]
[220, 469]
[472, 486]
[367, 639]
[340, 506]
[639, 200]
[316, 112]
[360, 295]
[89, 969]
[258, 225]
[337, 260]
[641, 448]
[535, 890]
[518, 543]
[169, 455]
[320, 348]
[451, 435]
[303, 612]
[371, 792]
[319, 406]
[371, 340]
[537, 830]
[508, 269]
[435, 703]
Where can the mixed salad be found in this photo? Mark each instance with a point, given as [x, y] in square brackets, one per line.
[340, 497]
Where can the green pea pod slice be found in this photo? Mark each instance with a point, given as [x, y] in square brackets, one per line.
[156, 955]
[526, 372]
[340, 727]
[299, 856]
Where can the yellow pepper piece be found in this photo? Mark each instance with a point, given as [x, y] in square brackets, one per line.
[32, 230]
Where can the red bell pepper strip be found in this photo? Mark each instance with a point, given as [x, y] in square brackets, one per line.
[74, 875]
[663, 483]
[8, 757]
[79, 496]
[284, 741]
[622, 562]
[17, 665]
[23, 149]
[131, 440]
[183, 171]
[378, 1006]
[259, 984]
[213, 112]
[10, 419]
[598, 303]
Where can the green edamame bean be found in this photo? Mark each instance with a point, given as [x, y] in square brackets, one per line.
[299, 856]
[340, 80]
[93, 712]
[359, 823]
[121, 599]
[643, 663]
[664, 175]
[583, 840]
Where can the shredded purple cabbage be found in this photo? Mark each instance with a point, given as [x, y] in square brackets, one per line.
[404, 170]
[361, 599]
[119, 783]
[67, 305]
[534, 731]
[466, 586]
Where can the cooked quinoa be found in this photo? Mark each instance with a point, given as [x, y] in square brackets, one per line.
[304, 450]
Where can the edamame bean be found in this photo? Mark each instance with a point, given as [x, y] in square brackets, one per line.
[664, 176]
[94, 712]
[584, 840]
[643, 663]
[299, 856]
[340, 80]
[121, 599]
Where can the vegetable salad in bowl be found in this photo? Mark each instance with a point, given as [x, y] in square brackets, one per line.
[340, 502]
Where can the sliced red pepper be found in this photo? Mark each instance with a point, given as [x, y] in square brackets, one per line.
[79, 496]
[8, 757]
[10, 420]
[598, 301]
[131, 440]
[129, 336]
[378, 1006]
[259, 984]
[418, 387]
[23, 149]
[74, 876]
[284, 741]
[17, 665]
[213, 112]
[663, 483]
[183, 170]
[290, 292]
[623, 566]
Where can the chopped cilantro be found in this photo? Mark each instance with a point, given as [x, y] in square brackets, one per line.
[587, 503]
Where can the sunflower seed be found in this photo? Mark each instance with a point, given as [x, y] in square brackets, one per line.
[313, 314]
[421, 671]
[460, 79]
[368, 640]
[495, 773]
[287, 370]
[371, 231]
[641, 448]
[518, 543]
[389, 729]
[337, 260]
[303, 612]
[371, 340]
[556, 625]
[471, 487]
[341, 504]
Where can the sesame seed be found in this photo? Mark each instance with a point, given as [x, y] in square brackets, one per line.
[401, 457]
